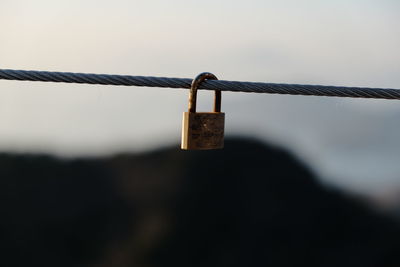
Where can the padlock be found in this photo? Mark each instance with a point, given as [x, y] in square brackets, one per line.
[203, 130]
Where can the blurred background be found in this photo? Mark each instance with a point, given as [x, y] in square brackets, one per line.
[352, 144]
[117, 191]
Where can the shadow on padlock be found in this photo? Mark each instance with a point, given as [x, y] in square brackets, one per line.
[203, 130]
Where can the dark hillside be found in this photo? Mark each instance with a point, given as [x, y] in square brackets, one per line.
[247, 205]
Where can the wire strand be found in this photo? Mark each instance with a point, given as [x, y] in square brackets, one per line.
[233, 86]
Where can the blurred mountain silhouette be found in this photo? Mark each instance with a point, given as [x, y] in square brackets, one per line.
[250, 204]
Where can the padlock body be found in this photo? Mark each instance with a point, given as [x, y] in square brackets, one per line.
[203, 130]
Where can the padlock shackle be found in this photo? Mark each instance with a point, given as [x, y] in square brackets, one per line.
[193, 92]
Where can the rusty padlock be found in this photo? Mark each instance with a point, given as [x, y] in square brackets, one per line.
[203, 130]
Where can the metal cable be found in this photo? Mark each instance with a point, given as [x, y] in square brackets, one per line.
[234, 86]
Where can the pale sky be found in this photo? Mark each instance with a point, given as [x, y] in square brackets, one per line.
[351, 142]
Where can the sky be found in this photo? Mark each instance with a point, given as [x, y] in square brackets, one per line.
[351, 143]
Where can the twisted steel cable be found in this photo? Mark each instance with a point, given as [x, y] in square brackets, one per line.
[234, 86]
